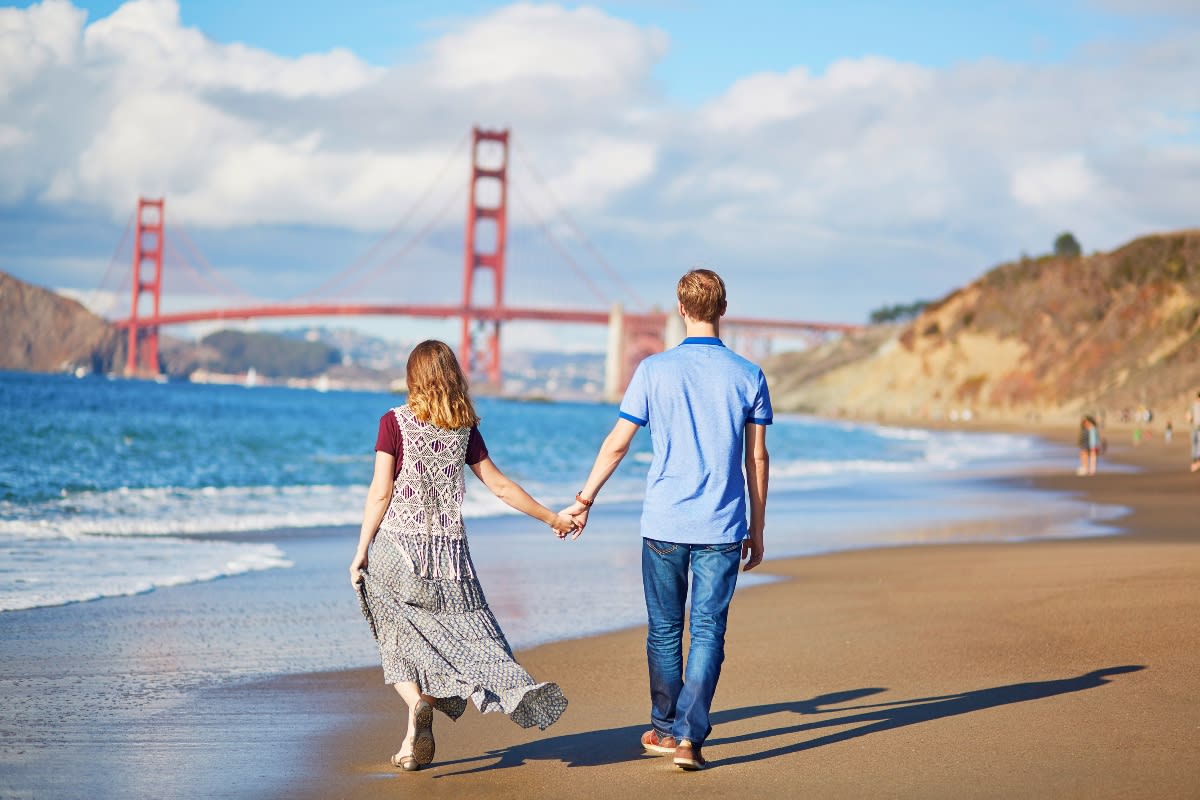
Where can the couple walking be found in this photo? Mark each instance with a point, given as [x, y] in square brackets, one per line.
[706, 409]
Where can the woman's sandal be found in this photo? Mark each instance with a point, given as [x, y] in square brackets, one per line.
[423, 743]
[406, 763]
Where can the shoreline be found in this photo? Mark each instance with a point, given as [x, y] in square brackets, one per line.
[970, 669]
[289, 720]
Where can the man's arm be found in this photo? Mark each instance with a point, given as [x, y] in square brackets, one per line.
[757, 468]
[612, 450]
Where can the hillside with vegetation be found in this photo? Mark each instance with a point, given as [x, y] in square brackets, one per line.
[1045, 337]
[42, 331]
[270, 355]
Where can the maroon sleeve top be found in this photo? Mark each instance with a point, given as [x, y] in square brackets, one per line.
[389, 440]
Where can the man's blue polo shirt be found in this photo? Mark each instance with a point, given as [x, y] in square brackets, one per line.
[697, 399]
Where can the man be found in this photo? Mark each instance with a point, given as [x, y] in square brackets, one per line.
[707, 409]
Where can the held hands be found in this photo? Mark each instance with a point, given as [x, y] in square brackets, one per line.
[564, 524]
[574, 514]
[579, 513]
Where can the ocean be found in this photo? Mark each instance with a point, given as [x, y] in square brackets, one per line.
[111, 488]
[158, 541]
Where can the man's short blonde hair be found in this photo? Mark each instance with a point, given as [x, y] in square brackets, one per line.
[702, 294]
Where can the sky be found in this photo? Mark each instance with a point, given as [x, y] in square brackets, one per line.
[826, 158]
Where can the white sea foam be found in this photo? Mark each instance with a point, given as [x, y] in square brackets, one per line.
[176, 511]
[84, 545]
[53, 571]
[799, 469]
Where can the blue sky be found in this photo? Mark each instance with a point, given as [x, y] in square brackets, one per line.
[713, 43]
[935, 32]
[828, 158]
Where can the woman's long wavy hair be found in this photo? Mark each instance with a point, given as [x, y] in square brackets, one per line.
[437, 388]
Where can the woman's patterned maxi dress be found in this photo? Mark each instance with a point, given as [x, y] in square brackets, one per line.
[422, 597]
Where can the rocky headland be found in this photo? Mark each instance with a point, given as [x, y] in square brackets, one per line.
[1037, 339]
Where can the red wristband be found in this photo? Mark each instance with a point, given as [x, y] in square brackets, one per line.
[579, 499]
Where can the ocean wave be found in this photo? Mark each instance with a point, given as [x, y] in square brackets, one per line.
[803, 469]
[901, 434]
[179, 511]
[175, 511]
[59, 571]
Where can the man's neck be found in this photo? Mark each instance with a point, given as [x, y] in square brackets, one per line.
[694, 328]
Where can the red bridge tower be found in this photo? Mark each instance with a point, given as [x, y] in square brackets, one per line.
[147, 252]
[486, 229]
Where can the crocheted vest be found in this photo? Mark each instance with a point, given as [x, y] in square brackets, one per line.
[424, 518]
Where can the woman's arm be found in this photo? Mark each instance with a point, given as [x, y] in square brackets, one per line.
[514, 496]
[379, 495]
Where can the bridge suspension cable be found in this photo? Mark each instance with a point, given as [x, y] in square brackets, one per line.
[331, 286]
[557, 245]
[229, 288]
[412, 242]
[176, 258]
[112, 261]
[527, 161]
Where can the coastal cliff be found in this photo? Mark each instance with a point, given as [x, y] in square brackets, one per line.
[41, 331]
[1041, 337]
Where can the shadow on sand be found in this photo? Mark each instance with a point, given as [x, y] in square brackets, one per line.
[617, 745]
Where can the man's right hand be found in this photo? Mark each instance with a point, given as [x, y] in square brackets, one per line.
[752, 551]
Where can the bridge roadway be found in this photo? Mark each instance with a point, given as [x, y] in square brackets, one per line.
[493, 314]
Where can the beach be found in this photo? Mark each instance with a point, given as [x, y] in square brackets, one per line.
[943, 613]
[1019, 669]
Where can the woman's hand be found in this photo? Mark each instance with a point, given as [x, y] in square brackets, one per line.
[563, 524]
[356, 567]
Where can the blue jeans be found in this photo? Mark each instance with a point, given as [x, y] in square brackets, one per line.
[680, 702]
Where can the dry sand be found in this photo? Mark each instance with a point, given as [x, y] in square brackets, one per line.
[1065, 669]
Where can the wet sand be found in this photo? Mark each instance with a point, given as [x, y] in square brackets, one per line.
[1037, 669]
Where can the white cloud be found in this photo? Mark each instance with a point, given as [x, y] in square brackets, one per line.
[147, 45]
[1055, 183]
[12, 136]
[978, 160]
[770, 97]
[584, 49]
[899, 174]
[234, 136]
[45, 34]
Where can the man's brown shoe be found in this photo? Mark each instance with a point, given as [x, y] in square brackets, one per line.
[687, 756]
[652, 742]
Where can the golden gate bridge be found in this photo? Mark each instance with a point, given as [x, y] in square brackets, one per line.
[632, 334]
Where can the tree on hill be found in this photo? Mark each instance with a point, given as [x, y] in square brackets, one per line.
[1067, 246]
[270, 355]
[898, 312]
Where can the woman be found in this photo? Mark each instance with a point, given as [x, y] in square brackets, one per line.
[438, 640]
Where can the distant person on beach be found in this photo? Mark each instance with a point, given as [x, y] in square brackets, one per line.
[1089, 446]
[1194, 418]
[1168, 432]
[707, 410]
[438, 640]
